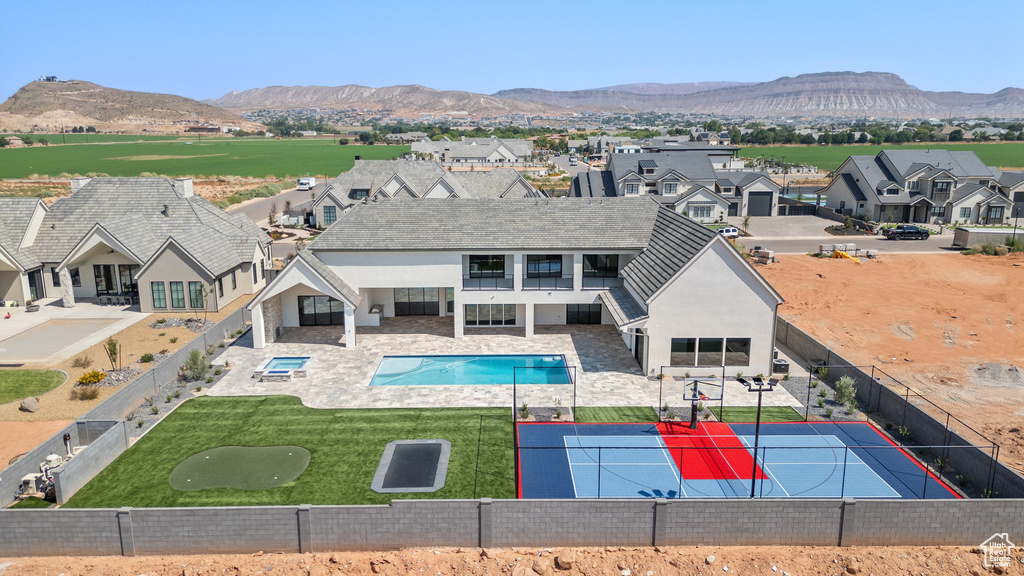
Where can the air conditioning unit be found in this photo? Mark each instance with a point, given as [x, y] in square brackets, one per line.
[33, 483]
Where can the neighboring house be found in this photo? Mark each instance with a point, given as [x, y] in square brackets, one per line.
[482, 151]
[148, 240]
[714, 138]
[687, 181]
[918, 186]
[576, 146]
[1011, 185]
[634, 264]
[405, 137]
[414, 179]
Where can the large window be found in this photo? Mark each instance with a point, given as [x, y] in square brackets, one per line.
[177, 295]
[487, 266]
[995, 213]
[684, 352]
[544, 266]
[601, 265]
[709, 352]
[701, 212]
[938, 211]
[632, 188]
[195, 294]
[55, 276]
[330, 215]
[321, 311]
[416, 302]
[965, 213]
[737, 351]
[76, 278]
[106, 282]
[670, 188]
[582, 313]
[940, 193]
[159, 298]
[490, 314]
[220, 287]
[127, 273]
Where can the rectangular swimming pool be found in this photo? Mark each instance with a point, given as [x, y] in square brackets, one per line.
[471, 370]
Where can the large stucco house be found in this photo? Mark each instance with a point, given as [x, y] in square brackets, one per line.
[919, 186]
[685, 180]
[145, 241]
[404, 178]
[491, 151]
[678, 293]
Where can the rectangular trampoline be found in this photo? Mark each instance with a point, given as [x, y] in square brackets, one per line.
[668, 460]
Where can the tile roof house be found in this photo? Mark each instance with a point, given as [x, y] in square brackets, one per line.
[477, 151]
[139, 240]
[382, 179]
[918, 186]
[635, 264]
[686, 180]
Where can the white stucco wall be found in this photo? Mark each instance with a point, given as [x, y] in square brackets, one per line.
[549, 314]
[717, 296]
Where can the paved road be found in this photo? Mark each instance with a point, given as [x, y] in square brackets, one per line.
[257, 210]
[563, 163]
[935, 244]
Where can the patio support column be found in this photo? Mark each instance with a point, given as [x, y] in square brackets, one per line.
[460, 317]
[529, 320]
[259, 339]
[577, 272]
[350, 326]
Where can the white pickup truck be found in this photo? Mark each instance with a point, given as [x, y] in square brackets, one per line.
[307, 183]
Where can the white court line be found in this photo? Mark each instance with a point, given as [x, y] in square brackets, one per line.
[769, 472]
[676, 473]
[579, 446]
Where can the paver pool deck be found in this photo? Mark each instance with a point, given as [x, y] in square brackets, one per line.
[339, 377]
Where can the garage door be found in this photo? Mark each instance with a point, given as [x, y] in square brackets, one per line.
[760, 204]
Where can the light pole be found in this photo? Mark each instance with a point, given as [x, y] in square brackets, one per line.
[1016, 215]
[759, 385]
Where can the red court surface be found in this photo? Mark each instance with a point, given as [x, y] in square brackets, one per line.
[731, 461]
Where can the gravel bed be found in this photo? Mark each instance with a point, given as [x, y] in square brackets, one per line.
[798, 386]
[193, 324]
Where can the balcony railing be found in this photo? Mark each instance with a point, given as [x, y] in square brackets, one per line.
[470, 283]
[601, 283]
[549, 283]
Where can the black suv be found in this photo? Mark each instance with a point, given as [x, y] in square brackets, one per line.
[906, 231]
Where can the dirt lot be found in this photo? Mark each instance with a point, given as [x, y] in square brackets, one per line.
[783, 561]
[51, 190]
[947, 325]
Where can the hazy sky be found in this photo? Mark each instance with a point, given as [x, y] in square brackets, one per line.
[206, 48]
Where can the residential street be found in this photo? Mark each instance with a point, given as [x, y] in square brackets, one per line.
[258, 209]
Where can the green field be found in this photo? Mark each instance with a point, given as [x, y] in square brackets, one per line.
[93, 138]
[617, 414]
[18, 384]
[250, 157]
[749, 414]
[828, 158]
[345, 447]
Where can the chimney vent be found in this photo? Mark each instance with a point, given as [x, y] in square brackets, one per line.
[167, 211]
[184, 187]
[78, 183]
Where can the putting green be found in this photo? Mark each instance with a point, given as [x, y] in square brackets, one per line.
[241, 467]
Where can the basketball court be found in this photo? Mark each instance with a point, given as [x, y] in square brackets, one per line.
[716, 460]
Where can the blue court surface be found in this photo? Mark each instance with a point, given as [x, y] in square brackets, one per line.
[794, 460]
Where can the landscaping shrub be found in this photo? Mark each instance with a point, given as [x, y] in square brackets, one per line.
[81, 362]
[196, 366]
[147, 357]
[84, 393]
[90, 378]
[845, 393]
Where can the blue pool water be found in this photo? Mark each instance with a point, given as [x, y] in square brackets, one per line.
[287, 363]
[469, 370]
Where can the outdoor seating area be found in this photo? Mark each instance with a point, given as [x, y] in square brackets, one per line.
[118, 299]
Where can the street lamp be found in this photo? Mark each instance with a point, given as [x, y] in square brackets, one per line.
[1016, 215]
[759, 385]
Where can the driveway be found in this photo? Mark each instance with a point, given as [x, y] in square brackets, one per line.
[789, 227]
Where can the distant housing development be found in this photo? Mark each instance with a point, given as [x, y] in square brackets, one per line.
[633, 263]
[145, 241]
[477, 151]
[923, 186]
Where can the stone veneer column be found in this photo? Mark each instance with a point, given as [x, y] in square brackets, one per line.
[272, 317]
[67, 291]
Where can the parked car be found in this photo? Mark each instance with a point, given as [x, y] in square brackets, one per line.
[729, 232]
[906, 231]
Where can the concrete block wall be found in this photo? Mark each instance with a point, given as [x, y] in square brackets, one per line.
[59, 532]
[404, 523]
[215, 530]
[755, 522]
[930, 523]
[71, 477]
[10, 477]
[573, 522]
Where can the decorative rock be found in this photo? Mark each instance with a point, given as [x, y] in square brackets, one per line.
[541, 567]
[565, 560]
[853, 568]
[519, 571]
[29, 405]
[710, 559]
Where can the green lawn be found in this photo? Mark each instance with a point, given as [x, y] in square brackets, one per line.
[31, 502]
[641, 414]
[18, 383]
[345, 448]
[251, 157]
[93, 138]
[827, 158]
[749, 414]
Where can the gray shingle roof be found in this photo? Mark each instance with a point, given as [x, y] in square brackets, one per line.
[133, 211]
[1010, 179]
[490, 224]
[622, 306]
[594, 184]
[15, 217]
[494, 184]
[340, 285]
[854, 187]
[692, 165]
[959, 163]
[675, 239]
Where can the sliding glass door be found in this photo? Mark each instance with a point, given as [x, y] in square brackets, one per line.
[321, 311]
